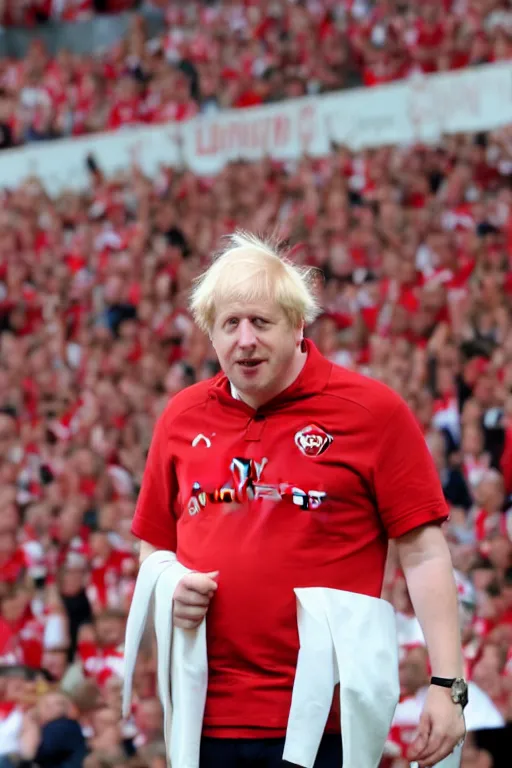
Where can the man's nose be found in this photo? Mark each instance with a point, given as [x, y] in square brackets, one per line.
[246, 335]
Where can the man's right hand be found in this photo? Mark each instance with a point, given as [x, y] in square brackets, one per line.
[192, 598]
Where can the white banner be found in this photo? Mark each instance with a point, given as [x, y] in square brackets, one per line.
[420, 108]
[62, 163]
[283, 131]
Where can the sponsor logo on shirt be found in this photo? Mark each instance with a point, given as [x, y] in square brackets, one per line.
[246, 485]
[312, 440]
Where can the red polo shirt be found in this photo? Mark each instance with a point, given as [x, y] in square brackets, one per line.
[321, 477]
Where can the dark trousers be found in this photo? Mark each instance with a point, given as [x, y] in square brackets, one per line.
[262, 753]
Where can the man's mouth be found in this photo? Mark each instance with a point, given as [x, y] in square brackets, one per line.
[252, 363]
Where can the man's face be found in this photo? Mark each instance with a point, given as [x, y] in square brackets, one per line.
[257, 349]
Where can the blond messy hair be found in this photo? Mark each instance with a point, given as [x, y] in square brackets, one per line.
[250, 269]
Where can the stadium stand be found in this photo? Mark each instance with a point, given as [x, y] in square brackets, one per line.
[415, 243]
[217, 55]
[32, 12]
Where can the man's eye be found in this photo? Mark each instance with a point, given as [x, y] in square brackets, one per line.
[259, 322]
[232, 322]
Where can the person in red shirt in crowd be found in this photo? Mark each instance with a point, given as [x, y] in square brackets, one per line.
[488, 518]
[70, 536]
[110, 571]
[127, 105]
[21, 633]
[100, 646]
[221, 490]
[12, 558]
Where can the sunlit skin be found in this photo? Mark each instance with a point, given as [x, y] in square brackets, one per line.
[258, 349]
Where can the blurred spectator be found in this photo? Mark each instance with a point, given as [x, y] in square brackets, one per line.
[72, 587]
[50, 737]
[100, 647]
[13, 684]
[20, 690]
[473, 757]
[148, 722]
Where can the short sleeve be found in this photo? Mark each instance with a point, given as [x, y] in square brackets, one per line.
[406, 483]
[154, 520]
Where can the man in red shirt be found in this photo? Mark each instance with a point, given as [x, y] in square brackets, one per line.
[286, 471]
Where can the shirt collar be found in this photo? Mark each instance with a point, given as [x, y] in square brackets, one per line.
[311, 381]
[234, 393]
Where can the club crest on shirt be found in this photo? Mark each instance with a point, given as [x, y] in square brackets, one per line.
[312, 440]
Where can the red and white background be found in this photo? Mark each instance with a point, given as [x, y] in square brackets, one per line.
[422, 108]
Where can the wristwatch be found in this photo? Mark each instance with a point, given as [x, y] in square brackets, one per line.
[458, 686]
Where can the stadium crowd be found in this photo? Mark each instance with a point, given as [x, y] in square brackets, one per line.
[27, 13]
[237, 54]
[415, 245]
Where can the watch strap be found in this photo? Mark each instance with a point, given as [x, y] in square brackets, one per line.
[444, 682]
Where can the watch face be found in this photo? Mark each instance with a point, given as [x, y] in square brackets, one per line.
[459, 691]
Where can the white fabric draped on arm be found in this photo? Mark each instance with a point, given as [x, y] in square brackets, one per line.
[345, 638]
[182, 667]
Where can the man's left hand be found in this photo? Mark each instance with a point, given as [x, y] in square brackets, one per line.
[441, 728]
